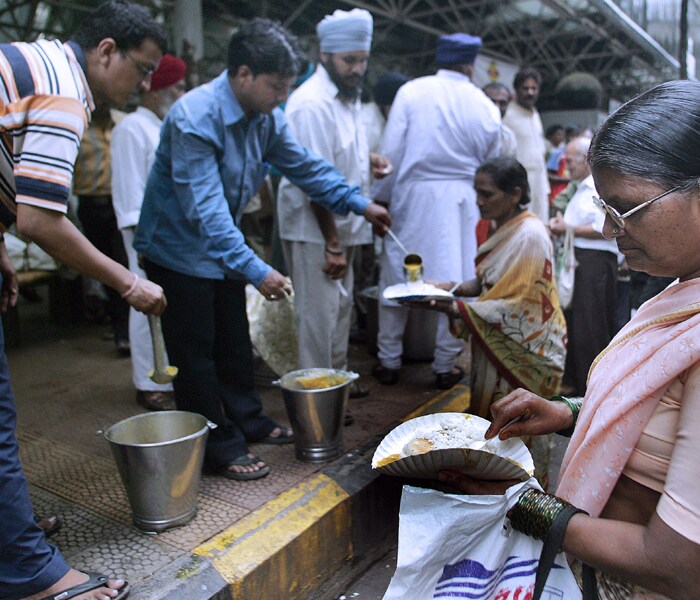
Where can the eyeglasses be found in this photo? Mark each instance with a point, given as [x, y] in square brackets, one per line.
[619, 219]
[145, 70]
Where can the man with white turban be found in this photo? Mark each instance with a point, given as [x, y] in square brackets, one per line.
[324, 114]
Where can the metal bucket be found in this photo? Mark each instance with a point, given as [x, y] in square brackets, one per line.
[159, 456]
[316, 415]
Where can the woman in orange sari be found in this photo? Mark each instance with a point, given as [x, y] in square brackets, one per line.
[632, 464]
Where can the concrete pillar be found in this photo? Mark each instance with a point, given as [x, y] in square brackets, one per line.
[188, 36]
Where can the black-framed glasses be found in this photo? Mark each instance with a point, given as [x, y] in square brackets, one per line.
[619, 219]
[145, 70]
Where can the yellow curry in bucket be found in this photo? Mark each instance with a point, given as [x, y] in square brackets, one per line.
[320, 382]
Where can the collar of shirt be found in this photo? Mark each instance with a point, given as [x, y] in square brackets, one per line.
[75, 52]
[230, 107]
[331, 89]
[149, 115]
[587, 183]
[450, 74]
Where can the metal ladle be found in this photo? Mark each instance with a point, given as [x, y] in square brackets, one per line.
[162, 373]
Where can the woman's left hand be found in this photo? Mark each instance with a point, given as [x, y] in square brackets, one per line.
[476, 487]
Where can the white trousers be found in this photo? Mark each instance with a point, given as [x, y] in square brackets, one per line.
[323, 313]
[139, 333]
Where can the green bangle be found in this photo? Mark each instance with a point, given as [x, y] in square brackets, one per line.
[575, 405]
[535, 513]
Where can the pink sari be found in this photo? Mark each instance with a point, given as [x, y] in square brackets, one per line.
[624, 385]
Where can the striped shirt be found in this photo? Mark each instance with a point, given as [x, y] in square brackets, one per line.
[45, 105]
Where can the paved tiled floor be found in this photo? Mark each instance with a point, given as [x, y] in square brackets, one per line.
[70, 384]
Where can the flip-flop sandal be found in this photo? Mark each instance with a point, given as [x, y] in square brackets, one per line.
[97, 580]
[243, 461]
[54, 524]
[283, 438]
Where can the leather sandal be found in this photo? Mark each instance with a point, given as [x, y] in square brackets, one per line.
[286, 436]
[50, 525]
[384, 375]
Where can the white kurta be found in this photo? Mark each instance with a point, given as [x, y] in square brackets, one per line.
[440, 129]
[134, 142]
[332, 128]
[527, 126]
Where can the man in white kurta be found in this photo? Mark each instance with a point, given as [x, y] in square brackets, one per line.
[324, 114]
[440, 129]
[133, 146]
[522, 117]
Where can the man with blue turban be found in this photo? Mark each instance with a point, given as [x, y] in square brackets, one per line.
[324, 114]
[440, 129]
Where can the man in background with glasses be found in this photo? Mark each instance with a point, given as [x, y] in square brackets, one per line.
[590, 318]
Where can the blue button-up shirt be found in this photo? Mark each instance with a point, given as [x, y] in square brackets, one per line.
[211, 160]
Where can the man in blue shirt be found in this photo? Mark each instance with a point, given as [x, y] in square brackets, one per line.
[215, 145]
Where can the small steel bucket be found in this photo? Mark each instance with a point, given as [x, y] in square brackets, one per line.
[413, 268]
[159, 456]
[317, 415]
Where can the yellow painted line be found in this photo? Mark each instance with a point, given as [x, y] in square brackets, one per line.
[456, 399]
[246, 545]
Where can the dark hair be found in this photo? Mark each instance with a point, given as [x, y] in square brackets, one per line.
[264, 46]
[655, 136]
[496, 85]
[127, 23]
[507, 174]
[527, 73]
[552, 129]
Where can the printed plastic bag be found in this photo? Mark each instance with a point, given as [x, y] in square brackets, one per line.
[565, 271]
[458, 546]
[273, 330]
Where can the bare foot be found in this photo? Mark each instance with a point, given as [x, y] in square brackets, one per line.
[74, 577]
[247, 468]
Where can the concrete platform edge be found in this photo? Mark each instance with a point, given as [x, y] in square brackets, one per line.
[334, 524]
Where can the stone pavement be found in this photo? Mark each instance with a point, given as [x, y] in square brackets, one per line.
[305, 531]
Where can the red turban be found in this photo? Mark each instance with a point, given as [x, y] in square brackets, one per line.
[170, 70]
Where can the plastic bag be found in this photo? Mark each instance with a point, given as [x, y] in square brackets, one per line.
[565, 271]
[458, 546]
[273, 330]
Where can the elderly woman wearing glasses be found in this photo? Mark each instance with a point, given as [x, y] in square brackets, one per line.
[632, 463]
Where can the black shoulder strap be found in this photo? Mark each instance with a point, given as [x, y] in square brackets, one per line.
[551, 548]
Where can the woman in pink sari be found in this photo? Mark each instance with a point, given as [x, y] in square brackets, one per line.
[632, 464]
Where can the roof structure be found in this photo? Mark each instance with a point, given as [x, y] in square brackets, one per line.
[558, 37]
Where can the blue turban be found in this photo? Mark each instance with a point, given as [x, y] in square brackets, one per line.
[345, 31]
[457, 49]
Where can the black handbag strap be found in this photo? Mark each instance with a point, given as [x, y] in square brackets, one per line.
[551, 548]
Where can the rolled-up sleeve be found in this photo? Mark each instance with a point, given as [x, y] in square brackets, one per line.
[200, 193]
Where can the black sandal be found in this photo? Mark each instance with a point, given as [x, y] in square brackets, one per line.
[97, 580]
[243, 461]
[286, 436]
[53, 524]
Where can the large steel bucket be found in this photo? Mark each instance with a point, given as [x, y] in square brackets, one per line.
[316, 415]
[159, 456]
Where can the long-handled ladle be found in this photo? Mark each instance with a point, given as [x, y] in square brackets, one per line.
[162, 373]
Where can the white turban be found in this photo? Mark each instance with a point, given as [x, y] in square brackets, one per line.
[346, 31]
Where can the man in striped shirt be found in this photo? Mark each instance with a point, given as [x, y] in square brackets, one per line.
[48, 91]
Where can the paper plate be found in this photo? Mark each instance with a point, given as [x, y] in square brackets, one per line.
[496, 459]
[417, 290]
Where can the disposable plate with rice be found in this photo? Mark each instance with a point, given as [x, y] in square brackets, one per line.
[415, 290]
[423, 446]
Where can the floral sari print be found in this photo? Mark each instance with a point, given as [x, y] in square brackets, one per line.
[517, 322]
